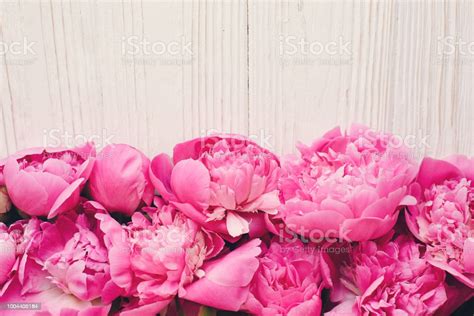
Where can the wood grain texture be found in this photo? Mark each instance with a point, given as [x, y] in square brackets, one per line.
[231, 66]
[91, 77]
[403, 74]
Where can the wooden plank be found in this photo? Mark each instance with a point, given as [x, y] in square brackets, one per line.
[236, 70]
[392, 79]
[148, 73]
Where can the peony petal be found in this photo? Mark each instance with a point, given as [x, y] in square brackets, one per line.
[467, 279]
[120, 269]
[367, 228]
[362, 199]
[68, 199]
[468, 255]
[76, 280]
[222, 287]
[118, 172]
[7, 258]
[310, 307]
[465, 164]
[434, 171]
[160, 175]
[316, 225]
[190, 181]
[148, 309]
[236, 225]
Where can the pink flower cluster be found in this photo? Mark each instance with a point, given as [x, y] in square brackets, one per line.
[353, 225]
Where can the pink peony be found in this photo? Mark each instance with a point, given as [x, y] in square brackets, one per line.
[387, 278]
[119, 180]
[47, 182]
[73, 253]
[61, 267]
[14, 242]
[151, 260]
[288, 282]
[346, 186]
[443, 217]
[226, 183]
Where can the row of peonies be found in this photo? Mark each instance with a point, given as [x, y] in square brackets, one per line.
[353, 225]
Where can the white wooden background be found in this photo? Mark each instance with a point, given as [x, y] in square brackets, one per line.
[402, 73]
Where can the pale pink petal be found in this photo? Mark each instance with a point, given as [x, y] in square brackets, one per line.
[236, 225]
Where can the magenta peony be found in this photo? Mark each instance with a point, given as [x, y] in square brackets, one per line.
[221, 226]
[14, 242]
[346, 186]
[76, 261]
[47, 182]
[288, 282]
[119, 180]
[152, 260]
[387, 278]
[226, 183]
[443, 217]
[62, 268]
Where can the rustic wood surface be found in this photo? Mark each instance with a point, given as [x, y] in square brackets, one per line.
[75, 70]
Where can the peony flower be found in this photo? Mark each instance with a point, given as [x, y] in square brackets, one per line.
[443, 216]
[119, 180]
[346, 186]
[14, 242]
[73, 253]
[47, 182]
[288, 281]
[60, 268]
[387, 278]
[5, 203]
[226, 183]
[151, 260]
[63, 267]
